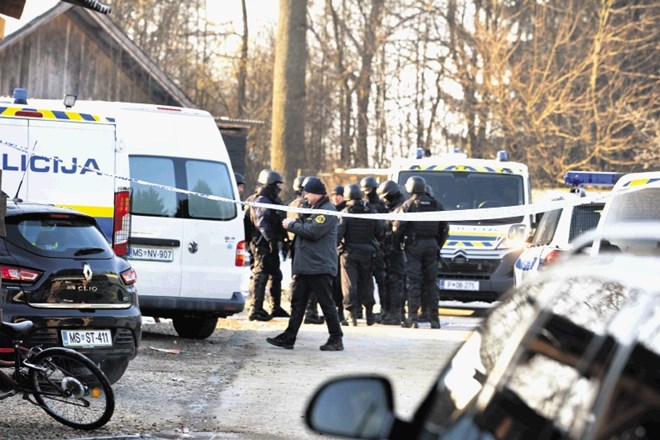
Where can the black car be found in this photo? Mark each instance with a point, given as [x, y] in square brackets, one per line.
[572, 354]
[59, 271]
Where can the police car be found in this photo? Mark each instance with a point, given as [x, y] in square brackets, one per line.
[558, 228]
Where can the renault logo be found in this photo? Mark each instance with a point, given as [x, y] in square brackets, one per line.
[87, 272]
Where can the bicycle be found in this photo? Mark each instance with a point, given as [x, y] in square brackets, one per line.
[66, 384]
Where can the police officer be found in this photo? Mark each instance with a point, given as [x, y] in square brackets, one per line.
[369, 186]
[240, 184]
[394, 297]
[356, 238]
[266, 235]
[314, 268]
[337, 199]
[421, 241]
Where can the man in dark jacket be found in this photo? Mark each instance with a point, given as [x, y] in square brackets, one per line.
[421, 241]
[357, 238]
[314, 268]
[299, 201]
[265, 237]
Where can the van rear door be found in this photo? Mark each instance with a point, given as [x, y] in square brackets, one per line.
[64, 162]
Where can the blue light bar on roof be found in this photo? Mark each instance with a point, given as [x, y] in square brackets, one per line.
[580, 178]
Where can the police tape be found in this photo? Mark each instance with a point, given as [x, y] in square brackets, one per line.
[506, 212]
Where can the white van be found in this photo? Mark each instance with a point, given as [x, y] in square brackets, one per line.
[188, 250]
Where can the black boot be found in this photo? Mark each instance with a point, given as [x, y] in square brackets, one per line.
[314, 319]
[279, 312]
[281, 341]
[410, 323]
[333, 344]
[259, 315]
[392, 319]
[371, 320]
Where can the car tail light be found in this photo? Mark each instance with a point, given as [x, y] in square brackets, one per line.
[240, 254]
[18, 274]
[122, 222]
[552, 257]
[129, 276]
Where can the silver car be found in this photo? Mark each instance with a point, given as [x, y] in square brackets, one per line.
[572, 354]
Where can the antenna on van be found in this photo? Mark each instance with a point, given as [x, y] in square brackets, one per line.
[27, 165]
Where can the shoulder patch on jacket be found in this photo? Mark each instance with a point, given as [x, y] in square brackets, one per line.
[320, 219]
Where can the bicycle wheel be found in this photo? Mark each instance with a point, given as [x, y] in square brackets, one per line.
[71, 388]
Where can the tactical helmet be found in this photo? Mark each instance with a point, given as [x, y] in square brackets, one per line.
[269, 177]
[368, 184]
[240, 180]
[388, 188]
[352, 192]
[298, 183]
[338, 189]
[429, 190]
[416, 185]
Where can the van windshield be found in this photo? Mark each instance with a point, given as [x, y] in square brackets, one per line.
[458, 190]
[199, 176]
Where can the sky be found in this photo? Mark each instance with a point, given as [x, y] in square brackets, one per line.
[260, 12]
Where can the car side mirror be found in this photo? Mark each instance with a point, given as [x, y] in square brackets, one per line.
[356, 407]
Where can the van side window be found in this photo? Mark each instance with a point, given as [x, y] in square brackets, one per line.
[209, 178]
[150, 200]
[201, 176]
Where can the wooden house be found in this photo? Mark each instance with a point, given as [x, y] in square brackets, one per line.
[75, 50]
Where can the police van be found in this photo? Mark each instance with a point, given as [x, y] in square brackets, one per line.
[160, 183]
[476, 261]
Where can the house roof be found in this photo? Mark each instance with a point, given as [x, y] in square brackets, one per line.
[111, 38]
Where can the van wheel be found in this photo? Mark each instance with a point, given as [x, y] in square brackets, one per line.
[114, 369]
[194, 328]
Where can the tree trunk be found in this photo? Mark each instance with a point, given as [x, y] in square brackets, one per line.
[242, 65]
[369, 49]
[288, 123]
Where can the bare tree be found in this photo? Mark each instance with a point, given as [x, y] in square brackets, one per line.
[563, 85]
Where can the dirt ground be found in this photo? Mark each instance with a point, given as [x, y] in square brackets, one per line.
[234, 385]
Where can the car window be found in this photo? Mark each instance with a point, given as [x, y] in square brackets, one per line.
[635, 206]
[200, 176]
[585, 218]
[57, 235]
[545, 232]
[542, 364]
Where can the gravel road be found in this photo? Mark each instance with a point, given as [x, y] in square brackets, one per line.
[234, 385]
